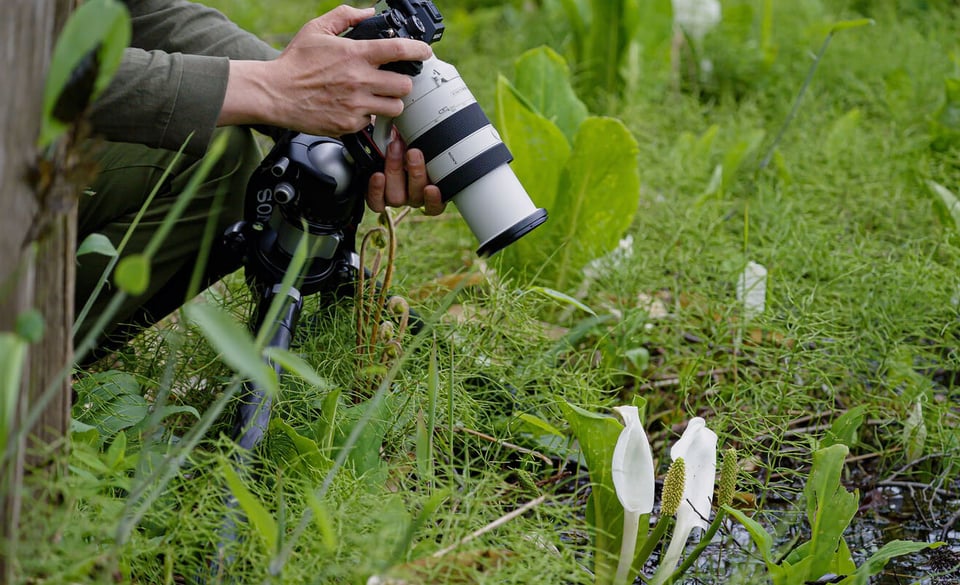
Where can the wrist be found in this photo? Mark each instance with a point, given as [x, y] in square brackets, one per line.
[247, 99]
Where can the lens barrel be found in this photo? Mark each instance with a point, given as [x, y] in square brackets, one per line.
[466, 158]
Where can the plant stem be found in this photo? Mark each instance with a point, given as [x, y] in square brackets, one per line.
[701, 546]
[796, 102]
[628, 545]
[653, 539]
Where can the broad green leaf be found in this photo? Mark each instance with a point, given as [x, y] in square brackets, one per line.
[97, 244]
[256, 514]
[761, 538]
[111, 402]
[596, 202]
[96, 25]
[538, 146]
[597, 435]
[132, 275]
[13, 352]
[844, 429]
[543, 79]
[830, 508]
[878, 560]
[234, 343]
[538, 423]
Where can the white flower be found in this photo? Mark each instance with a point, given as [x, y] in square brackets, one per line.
[633, 482]
[696, 17]
[698, 449]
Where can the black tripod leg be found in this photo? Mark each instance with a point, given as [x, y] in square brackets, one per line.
[253, 413]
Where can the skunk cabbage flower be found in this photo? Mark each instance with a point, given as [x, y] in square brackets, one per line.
[696, 17]
[698, 449]
[633, 481]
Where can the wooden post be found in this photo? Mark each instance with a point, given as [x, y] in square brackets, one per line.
[36, 265]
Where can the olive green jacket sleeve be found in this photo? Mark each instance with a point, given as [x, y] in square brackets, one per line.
[172, 80]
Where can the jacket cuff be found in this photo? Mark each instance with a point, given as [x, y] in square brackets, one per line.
[197, 102]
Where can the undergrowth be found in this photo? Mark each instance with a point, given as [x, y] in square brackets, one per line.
[862, 310]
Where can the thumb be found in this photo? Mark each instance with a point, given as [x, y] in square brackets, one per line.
[341, 18]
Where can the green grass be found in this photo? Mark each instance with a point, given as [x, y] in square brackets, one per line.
[862, 309]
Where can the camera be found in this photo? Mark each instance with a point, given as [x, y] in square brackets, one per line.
[313, 186]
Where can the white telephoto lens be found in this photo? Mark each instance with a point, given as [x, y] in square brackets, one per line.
[466, 158]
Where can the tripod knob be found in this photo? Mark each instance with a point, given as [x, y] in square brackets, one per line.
[284, 193]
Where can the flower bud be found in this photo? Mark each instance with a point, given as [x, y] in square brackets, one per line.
[728, 477]
[672, 494]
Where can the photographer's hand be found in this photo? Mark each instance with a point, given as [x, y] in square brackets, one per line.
[322, 83]
[403, 181]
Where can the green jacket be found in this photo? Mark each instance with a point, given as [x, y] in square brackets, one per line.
[173, 77]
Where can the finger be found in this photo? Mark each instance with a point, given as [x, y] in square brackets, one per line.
[432, 200]
[375, 189]
[381, 106]
[389, 84]
[341, 18]
[381, 51]
[417, 178]
[395, 190]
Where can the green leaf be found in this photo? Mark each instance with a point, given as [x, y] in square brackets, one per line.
[844, 429]
[761, 538]
[597, 435]
[259, 517]
[97, 244]
[235, 345]
[538, 146]
[132, 275]
[111, 402]
[95, 23]
[543, 79]
[539, 424]
[30, 325]
[878, 560]
[601, 168]
[830, 508]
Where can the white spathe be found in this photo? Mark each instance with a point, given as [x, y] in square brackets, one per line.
[696, 17]
[698, 449]
[633, 481]
[632, 468]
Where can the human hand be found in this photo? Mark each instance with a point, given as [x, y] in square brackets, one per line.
[322, 83]
[404, 181]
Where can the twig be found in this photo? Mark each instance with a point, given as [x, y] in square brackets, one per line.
[506, 444]
[495, 524]
[912, 485]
